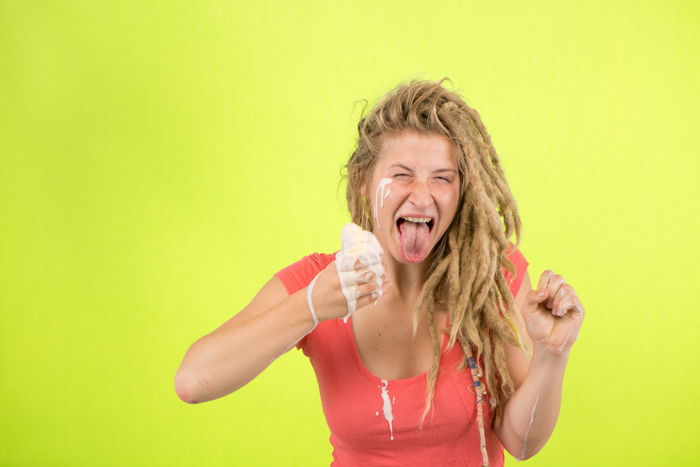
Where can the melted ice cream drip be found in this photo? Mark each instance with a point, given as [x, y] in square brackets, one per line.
[523, 451]
[388, 415]
[382, 183]
[363, 245]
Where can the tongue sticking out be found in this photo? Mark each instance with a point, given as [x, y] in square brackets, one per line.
[415, 240]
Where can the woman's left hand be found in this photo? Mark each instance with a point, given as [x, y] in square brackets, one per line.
[554, 318]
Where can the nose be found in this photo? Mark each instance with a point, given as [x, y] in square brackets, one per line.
[420, 196]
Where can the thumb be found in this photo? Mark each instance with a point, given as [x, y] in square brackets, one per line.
[534, 297]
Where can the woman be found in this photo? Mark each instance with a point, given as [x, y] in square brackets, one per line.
[433, 366]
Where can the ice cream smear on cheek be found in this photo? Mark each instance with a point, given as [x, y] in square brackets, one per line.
[358, 245]
[380, 196]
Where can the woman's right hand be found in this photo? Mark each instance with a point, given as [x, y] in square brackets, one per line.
[329, 299]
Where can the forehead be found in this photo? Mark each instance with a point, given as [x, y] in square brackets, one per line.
[417, 150]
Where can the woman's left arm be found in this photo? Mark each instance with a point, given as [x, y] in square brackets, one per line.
[553, 315]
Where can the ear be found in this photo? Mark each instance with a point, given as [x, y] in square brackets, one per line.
[363, 190]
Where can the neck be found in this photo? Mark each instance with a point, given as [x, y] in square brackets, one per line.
[407, 279]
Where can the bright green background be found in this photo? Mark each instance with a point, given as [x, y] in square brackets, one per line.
[159, 161]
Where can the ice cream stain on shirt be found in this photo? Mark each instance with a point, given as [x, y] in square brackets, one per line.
[388, 414]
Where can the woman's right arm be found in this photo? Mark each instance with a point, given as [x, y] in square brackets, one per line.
[240, 349]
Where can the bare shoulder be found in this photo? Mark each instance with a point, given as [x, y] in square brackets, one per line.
[517, 363]
[269, 295]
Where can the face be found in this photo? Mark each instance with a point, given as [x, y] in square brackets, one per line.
[415, 180]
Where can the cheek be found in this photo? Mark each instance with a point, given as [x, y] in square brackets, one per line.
[449, 202]
[447, 196]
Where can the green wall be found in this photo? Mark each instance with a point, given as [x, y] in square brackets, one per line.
[159, 161]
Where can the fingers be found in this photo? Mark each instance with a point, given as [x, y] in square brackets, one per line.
[555, 289]
[365, 276]
[366, 289]
[360, 263]
[533, 298]
[562, 305]
[570, 305]
[561, 297]
[544, 279]
[564, 300]
[550, 282]
[369, 293]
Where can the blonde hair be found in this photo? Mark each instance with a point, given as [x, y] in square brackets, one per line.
[463, 272]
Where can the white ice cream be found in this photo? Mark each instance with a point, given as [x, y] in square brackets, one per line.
[386, 407]
[380, 196]
[363, 245]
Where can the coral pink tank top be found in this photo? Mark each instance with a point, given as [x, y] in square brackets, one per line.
[376, 422]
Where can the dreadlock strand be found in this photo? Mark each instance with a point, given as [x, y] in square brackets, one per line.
[434, 368]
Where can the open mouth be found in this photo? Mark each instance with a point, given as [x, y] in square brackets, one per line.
[430, 222]
[414, 237]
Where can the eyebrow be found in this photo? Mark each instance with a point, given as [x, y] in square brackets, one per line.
[434, 171]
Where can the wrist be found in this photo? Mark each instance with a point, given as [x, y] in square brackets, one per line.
[301, 309]
[544, 355]
[310, 303]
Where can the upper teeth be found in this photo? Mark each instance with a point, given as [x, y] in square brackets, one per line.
[417, 219]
